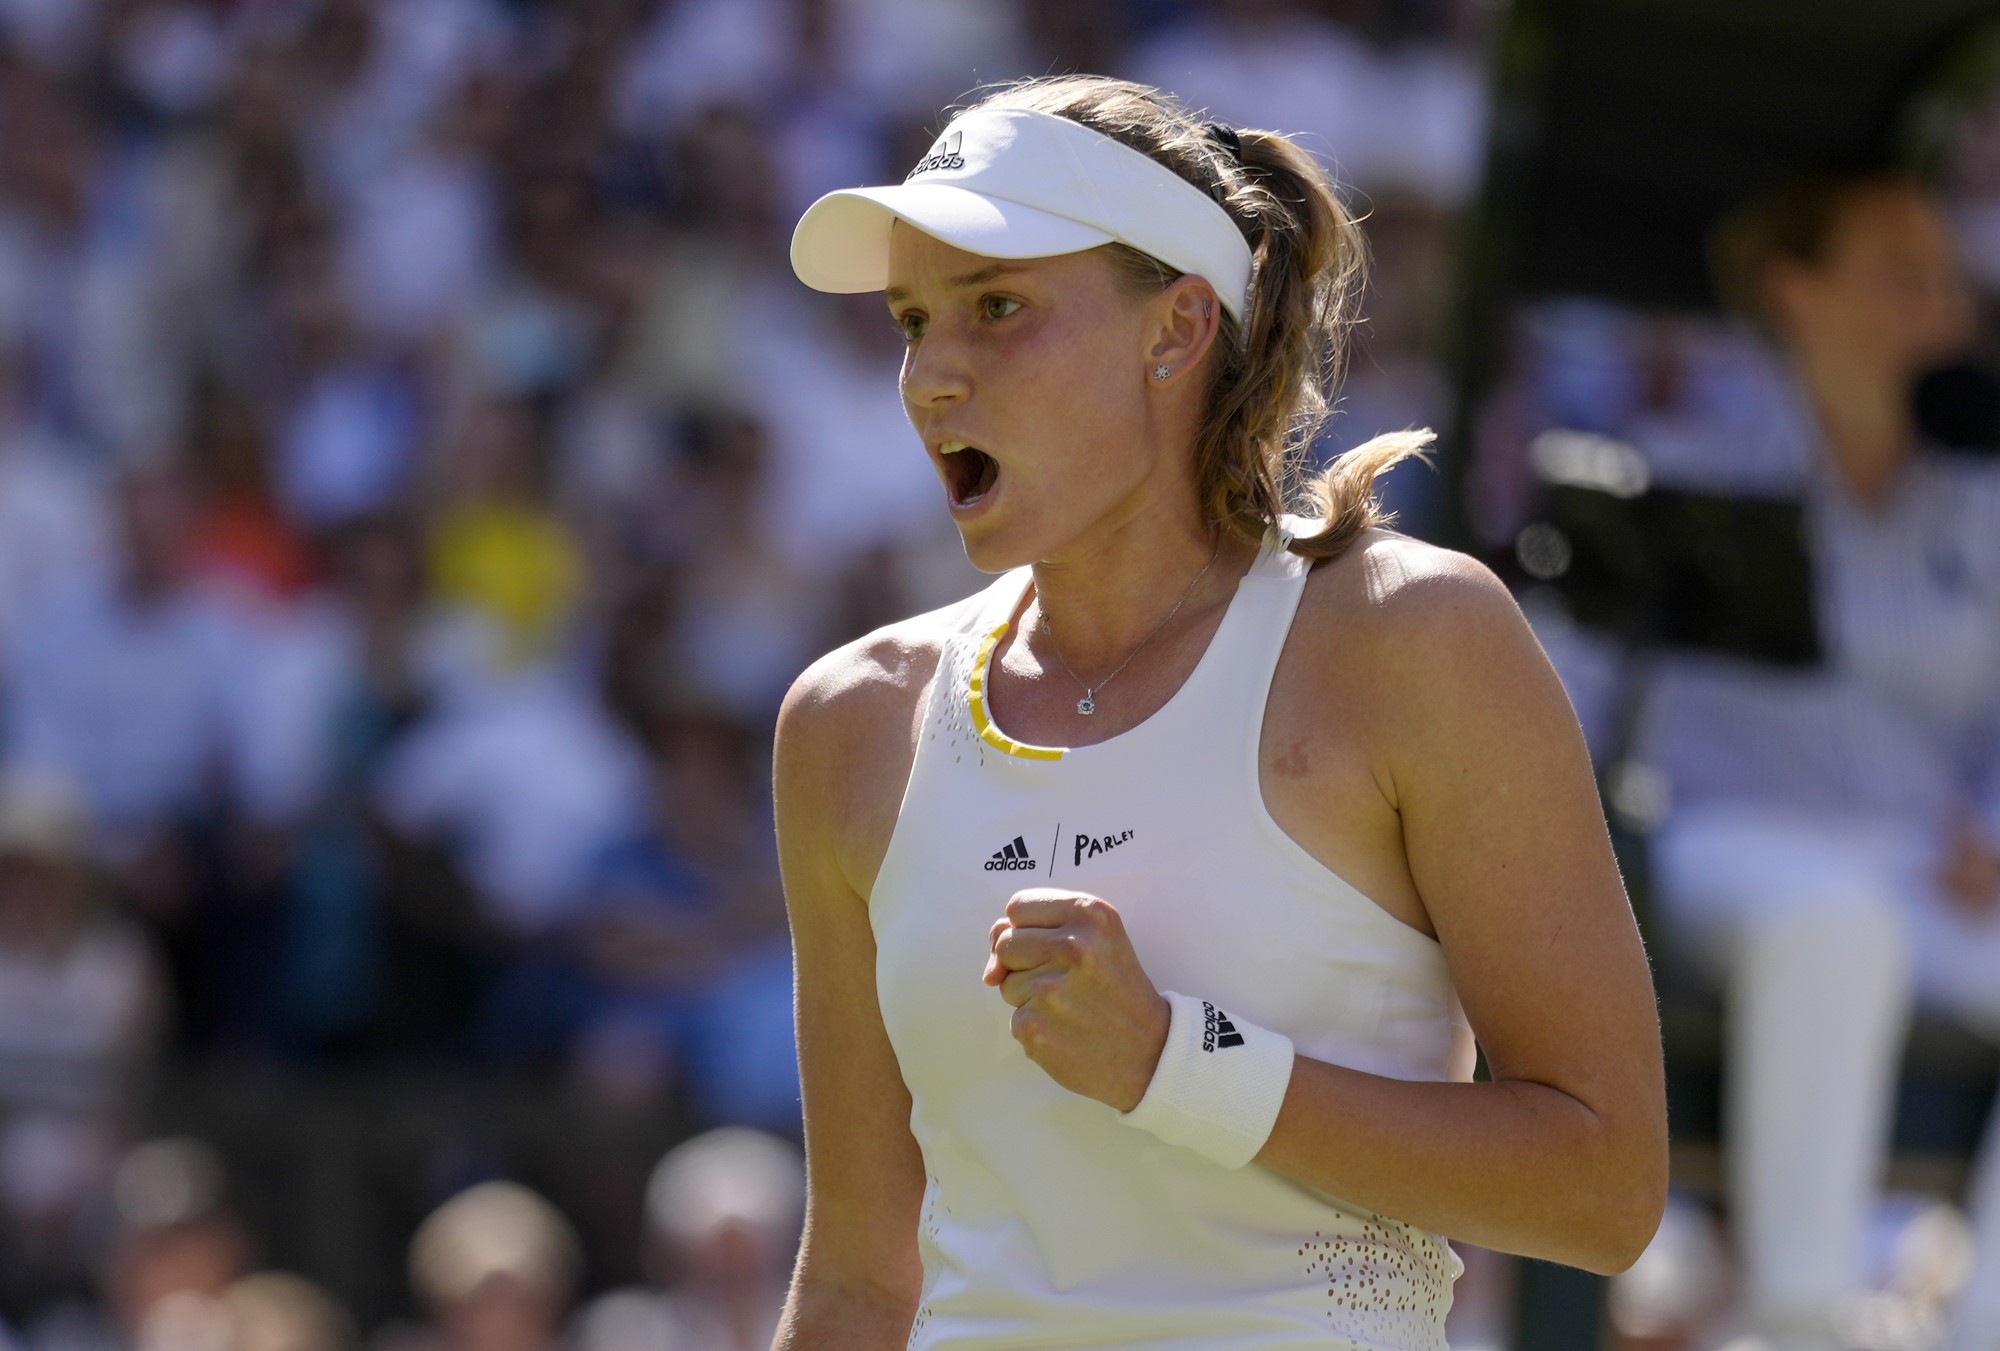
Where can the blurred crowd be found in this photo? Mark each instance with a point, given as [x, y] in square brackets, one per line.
[420, 479]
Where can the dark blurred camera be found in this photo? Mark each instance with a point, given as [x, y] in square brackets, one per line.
[1652, 566]
[1958, 407]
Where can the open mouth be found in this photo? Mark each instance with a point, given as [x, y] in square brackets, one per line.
[970, 472]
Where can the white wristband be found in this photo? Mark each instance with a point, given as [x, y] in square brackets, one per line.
[1219, 1083]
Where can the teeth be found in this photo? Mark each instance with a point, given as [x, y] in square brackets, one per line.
[953, 447]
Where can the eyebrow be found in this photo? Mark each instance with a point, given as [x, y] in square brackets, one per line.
[976, 278]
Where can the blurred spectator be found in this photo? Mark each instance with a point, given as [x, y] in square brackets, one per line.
[418, 241]
[348, 442]
[701, 52]
[80, 248]
[748, 614]
[53, 523]
[675, 964]
[723, 1213]
[844, 461]
[242, 538]
[726, 324]
[374, 954]
[1832, 852]
[175, 58]
[910, 56]
[719, 279]
[81, 1002]
[526, 777]
[1410, 116]
[496, 547]
[174, 1248]
[115, 679]
[496, 1267]
[276, 1311]
[126, 683]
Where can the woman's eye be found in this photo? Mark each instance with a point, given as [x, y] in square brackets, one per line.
[999, 307]
[911, 326]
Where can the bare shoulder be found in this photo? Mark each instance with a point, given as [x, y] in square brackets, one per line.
[1425, 650]
[868, 686]
[846, 737]
[1392, 600]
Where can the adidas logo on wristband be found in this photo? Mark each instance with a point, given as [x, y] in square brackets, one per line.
[1220, 1106]
[1217, 1030]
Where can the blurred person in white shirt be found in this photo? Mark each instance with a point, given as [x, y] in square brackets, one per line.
[117, 678]
[528, 777]
[723, 1212]
[53, 518]
[420, 239]
[1831, 854]
[347, 437]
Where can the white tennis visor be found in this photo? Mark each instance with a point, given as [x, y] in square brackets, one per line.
[1017, 183]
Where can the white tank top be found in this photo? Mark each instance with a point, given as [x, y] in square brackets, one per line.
[1047, 1221]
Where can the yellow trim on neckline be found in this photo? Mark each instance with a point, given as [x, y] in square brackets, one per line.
[988, 733]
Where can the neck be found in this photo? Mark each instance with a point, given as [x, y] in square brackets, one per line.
[1108, 595]
[1865, 420]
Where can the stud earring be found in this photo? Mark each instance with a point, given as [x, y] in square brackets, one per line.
[1162, 371]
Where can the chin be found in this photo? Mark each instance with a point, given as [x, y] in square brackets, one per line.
[1004, 540]
[992, 555]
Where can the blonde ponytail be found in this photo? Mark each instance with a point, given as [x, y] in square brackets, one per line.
[1344, 494]
[1272, 383]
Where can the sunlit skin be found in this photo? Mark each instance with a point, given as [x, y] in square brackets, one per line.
[1415, 742]
[1045, 364]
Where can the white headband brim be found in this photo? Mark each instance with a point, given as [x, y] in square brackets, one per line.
[1017, 183]
[842, 243]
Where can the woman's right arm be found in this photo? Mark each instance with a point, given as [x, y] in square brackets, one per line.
[841, 735]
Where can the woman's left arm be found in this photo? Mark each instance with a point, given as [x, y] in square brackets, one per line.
[1563, 1155]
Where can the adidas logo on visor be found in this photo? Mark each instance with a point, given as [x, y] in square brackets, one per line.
[944, 155]
[1013, 859]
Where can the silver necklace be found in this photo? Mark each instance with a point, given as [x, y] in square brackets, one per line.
[1088, 704]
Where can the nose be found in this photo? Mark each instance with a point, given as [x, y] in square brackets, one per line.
[934, 372]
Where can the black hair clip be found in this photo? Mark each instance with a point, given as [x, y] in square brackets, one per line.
[1224, 138]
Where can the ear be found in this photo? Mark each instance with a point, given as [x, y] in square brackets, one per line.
[1181, 325]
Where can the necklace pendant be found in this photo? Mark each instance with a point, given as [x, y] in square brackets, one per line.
[1086, 705]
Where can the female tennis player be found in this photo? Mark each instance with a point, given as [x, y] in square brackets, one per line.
[1147, 903]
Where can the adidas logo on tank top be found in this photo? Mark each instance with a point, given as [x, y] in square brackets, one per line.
[1013, 859]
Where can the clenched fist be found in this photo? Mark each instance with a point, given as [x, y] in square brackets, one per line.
[1084, 1009]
